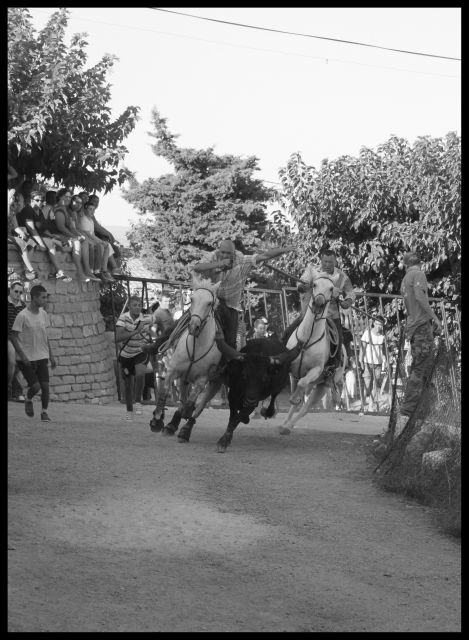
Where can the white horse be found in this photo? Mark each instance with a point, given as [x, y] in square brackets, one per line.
[308, 383]
[194, 361]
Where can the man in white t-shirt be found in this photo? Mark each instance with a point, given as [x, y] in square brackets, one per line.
[29, 337]
[373, 355]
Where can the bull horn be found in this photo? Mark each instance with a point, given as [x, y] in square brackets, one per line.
[290, 354]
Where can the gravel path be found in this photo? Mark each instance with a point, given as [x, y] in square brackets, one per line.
[114, 528]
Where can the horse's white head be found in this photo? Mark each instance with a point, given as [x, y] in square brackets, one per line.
[321, 292]
[203, 301]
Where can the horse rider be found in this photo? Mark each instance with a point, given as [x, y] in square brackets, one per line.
[231, 268]
[342, 287]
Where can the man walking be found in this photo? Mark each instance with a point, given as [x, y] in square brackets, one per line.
[29, 337]
[419, 331]
[15, 305]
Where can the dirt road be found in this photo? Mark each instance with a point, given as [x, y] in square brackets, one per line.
[113, 528]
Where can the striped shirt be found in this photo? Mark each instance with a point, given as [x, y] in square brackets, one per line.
[134, 345]
[13, 311]
[234, 279]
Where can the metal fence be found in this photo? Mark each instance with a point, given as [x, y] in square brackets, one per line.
[280, 307]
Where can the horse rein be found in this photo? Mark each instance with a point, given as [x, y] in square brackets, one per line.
[212, 304]
[315, 317]
[203, 322]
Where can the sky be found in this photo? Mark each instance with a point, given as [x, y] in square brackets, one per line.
[253, 92]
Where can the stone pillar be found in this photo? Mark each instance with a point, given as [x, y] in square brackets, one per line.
[84, 371]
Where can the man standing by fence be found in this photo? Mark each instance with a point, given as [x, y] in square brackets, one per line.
[419, 331]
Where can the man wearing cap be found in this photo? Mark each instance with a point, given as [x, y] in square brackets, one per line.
[231, 268]
[419, 330]
[342, 287]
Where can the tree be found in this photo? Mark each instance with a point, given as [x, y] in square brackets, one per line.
[372, 208]
[59, 122]
[208, 198]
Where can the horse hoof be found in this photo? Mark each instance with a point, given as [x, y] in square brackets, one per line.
[156, 425]
[284, 431]
[221, 448]
[295, 402]
[183, 440]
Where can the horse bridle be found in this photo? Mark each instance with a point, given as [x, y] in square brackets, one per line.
[322, 317]
[210, 310]
[313, 298]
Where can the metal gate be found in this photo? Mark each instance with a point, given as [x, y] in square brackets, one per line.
[280, 307]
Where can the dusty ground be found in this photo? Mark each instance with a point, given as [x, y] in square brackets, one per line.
[114, 528]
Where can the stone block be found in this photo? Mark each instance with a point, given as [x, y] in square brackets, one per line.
[62, 388]
[68, 319]
[60, 371]
[82, 368]
[64, 397]
[76, 395]
[68, 379]
[54, 333]
[88, 330]
[57, 320]
[66, 332]
[77, 332]
[85, 386]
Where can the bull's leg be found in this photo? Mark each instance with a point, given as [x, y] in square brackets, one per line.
[157, 422]
[227, 437]
[269, 412]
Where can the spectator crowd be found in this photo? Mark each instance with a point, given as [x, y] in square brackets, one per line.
[60, 222]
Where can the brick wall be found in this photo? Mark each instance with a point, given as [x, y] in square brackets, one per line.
[85, 371]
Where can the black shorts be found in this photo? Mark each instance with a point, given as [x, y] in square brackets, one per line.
[35, 371]
[128, 364]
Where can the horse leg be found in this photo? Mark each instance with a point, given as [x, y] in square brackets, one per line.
[189, 404]
[172, 426]
[227, 437]
[185, 431]
[293, 417]
[204, 398]
[208, 393]
[312, 375]
[157, 422]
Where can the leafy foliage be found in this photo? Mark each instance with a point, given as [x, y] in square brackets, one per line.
[372, 208]
[59, 121]
[208, 198]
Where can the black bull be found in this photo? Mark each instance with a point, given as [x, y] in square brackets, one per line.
[262, 373]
